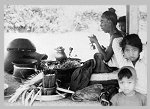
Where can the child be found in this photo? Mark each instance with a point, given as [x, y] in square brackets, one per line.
[122, 25]
[127, 79]
[129, 53]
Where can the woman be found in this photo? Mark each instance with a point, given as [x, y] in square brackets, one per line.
[108, 25]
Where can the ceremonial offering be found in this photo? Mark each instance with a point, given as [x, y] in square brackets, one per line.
[49, 82]
[49, 79]
[60, 54]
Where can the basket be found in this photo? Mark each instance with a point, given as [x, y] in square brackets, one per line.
[49, 91]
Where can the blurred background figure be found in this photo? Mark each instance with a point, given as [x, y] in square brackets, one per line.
[122, 25]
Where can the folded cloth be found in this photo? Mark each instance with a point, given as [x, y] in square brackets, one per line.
[104, 76]
[90, 93]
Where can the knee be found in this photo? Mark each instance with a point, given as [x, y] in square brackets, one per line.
[98, 56]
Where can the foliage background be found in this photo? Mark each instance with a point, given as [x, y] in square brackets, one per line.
[48, 19]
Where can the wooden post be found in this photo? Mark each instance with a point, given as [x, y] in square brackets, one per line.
[132, 19]
[127, 18]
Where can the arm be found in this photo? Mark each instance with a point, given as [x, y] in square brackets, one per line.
[107, 54]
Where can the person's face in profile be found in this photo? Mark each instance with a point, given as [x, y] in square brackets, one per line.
[105, 24]
[122, 26]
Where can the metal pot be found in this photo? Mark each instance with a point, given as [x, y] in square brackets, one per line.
[24, 68]
[21, 48]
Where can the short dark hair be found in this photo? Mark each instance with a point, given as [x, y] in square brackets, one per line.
[122, 19]
[133, 40]
[124, 73]
[110, 15]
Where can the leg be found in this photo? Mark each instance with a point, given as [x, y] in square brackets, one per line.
[100, 66]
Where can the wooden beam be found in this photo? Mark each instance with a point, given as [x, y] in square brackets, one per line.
[127, 18]
[133, 16]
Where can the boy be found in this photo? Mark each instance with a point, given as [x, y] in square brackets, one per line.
[129, 53]
[128, 96]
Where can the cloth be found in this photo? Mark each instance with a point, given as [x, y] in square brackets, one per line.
[101, 66]
[81, 76]
[105, 82]
[104, 76]
[107, 93]
[90, 93]
[140, 66]
[96, 92]
[136, 100]
[113, 61]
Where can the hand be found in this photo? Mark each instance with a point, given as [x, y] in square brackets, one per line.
[93, 39]
[104, 48]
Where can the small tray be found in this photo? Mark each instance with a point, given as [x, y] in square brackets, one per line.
[51, 97]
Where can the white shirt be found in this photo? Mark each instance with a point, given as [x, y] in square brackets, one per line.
[140, 66]
[113, 61]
